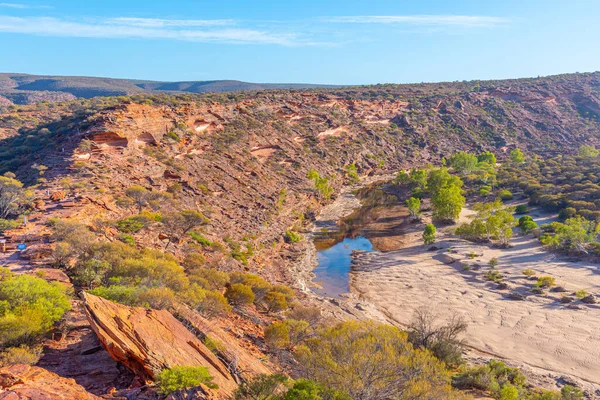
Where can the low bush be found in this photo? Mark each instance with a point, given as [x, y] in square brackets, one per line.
[259, 286]
[493, 276]
[209, 303]
[20, 355]
[173, 379]
[29, 307]
[429, 234]
[127, 295]
[209, 278]
[521, 209]
[529, 273]
[292, 237]
[239, 294]
[127, 239]
[129, 225]
[546, 282]
[200, 239]
[505, 195]
[6, 224]
[275, 301]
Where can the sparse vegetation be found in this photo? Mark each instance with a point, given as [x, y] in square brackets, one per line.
[178, 378]
[414, 207]
[292, 237]
[429, 234]
[29, 307]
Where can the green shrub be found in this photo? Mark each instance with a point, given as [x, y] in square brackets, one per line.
[173, 379]
[292, 237]
[527, 224]
[20, 355]
[209, 303]
[275, 301]
[429, 234]
[127, 295]
[277, 335]
[546, 282]
[200, 239]
[352, 173]
[157, 298]
[529, 273]
[505, 195]
[491, 377]
[366, 360]
[127, 239]
[6, 224]
[521, 209]
[173, 136]
[569, 392]
[304, 389]
[580, 294]
[29, 307]
[566, 213]
[414, 207]
[484, 191]
[493, 263]
[239, 294]
[259, 286]
[209, 278]
[194, 260]
[287, 291]
[130, 225]
[493, 276]
[214, 345]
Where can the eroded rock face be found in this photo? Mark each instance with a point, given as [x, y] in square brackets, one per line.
[21, 382]
[147, 341]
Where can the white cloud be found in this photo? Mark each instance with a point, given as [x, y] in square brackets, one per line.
[139, 28]
[21, 6]
[470, 21]
[163, 23]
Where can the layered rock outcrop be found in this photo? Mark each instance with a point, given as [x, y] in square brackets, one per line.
[148, 341]
[24, 382]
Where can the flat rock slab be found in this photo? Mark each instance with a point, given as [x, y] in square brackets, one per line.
[24, 382]
[148, 341]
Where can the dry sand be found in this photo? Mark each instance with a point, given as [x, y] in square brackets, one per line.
[538, 331]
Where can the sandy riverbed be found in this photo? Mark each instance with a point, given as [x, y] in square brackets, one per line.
[538, 331]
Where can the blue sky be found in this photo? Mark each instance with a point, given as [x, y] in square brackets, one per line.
[309, 41]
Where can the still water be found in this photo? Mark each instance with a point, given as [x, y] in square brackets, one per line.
[334, 265]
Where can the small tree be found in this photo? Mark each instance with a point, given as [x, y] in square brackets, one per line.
[414, 207]
[448, 203]
[463, 162]
[487, 157]
[441, 338]
[516, 156]
[139, 194]
[440, 178]
[429, 234]
[12, 196]
[177, 224]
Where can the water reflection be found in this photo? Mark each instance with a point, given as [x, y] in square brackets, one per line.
[334, 265]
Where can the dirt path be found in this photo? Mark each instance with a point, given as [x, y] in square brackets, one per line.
[538, 332]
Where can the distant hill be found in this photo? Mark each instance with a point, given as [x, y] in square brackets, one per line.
[25, 89]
